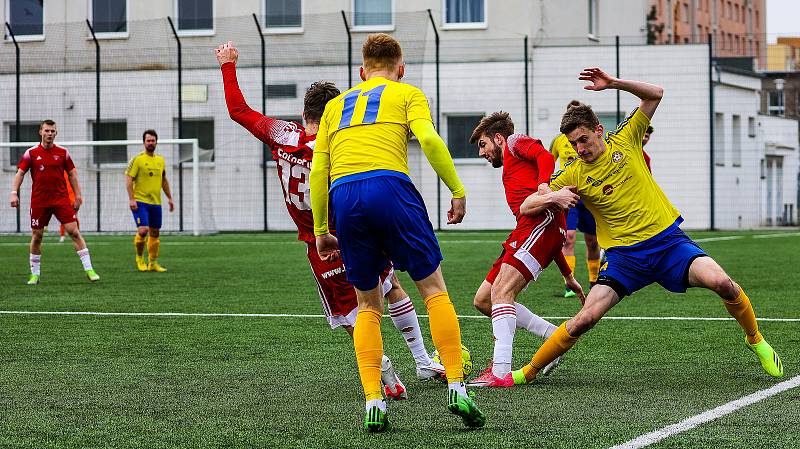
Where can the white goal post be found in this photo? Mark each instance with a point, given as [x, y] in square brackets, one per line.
[86, 162]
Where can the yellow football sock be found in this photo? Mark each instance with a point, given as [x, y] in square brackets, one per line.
[571, 261]
[368, 344]
[138, 243]
[594, 269]
[152, 249]
[741, 309]
[551, 349]
[446, 334]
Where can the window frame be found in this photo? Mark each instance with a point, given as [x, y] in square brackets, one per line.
[199, 32]
[780, 110]
[447, 116]
[465, 25]
[594, 18]
[282, 30]
[10, 163]
[212, 156]
[92, 127]
[110, 35]
[371, 28]
[26, 37]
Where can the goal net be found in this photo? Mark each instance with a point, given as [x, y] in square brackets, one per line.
[101, 172]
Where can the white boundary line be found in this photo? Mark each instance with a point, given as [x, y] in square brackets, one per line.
[294, 315]
[710, 415]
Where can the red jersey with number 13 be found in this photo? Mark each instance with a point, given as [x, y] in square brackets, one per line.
[47, 167]
[291, 147]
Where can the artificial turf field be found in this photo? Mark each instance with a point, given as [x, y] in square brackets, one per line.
[247, 381]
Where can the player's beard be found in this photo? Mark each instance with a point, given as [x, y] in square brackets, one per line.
[150, 149]
[497, 156]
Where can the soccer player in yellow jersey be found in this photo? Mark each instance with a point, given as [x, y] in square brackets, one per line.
[636, 223]
[578, 218]
[145, 177]
[362, 148]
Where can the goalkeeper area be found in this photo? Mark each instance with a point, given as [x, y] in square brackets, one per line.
[229, 348]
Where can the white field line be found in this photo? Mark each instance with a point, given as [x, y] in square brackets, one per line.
[710, 415]
[294, 315]
[457, 242]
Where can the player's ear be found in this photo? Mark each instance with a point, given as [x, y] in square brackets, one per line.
[401, 71]
[362, 74]
[498, 139]
[599, 130]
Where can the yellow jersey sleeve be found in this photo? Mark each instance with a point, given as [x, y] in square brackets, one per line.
[562, 177]
[133, 167]
[631, 129]
[417, 106]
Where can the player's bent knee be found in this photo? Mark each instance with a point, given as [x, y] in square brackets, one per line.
[583, 322]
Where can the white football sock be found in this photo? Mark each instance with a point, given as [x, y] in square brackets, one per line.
[533, 323]
[504, 324]
[404, 317]
[36, 261]
[85, 259]
[459, 387]
[379, 402]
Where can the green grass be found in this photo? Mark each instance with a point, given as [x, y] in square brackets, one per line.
[155, 381]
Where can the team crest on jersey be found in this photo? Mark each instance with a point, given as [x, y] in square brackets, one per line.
[55, 158]
[616, 156]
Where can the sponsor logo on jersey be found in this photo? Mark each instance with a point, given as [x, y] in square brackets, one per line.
[334, 272]
[589, 180]
[293, 159]
[608, 189]
[55, 158]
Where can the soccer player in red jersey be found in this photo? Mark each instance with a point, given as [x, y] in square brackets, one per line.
[536, 240]
[292, 147]
[49, 196]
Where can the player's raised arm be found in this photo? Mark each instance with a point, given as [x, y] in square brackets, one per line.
[650, 94]
[238, 109]
[439, 157]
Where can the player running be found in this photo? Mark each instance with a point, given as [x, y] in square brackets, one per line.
[145, 177]
[635, 222]
[292, 147]
[48, 162]
[578, 218]
[532, 245]
[362, 148]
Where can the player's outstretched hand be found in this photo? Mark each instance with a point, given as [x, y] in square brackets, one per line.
[328, 247]
[226, 53]
[13, 199]
[565, 198]
[575, 286]
[600, 80]
[458, 208]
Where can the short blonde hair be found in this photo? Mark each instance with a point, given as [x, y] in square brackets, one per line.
[381, 52]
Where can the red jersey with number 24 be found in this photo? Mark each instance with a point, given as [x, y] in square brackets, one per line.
[47, 167]
[291, 147]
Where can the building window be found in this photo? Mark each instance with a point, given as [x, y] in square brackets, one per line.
[110, 16]
[465, 12]
[593, 17]
[719, 139]
[28, 132]
[686, 12]
[195, 15]
[751, 126]
[775, 104]
[110, 154]
[371, 14]
[203, 131]
[26, 18]
[736, 141]
[281, 90]
[282, 14]
[459, 128]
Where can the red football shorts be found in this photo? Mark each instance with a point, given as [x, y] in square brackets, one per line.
[40, 216]
[338, 297]
[530, 249]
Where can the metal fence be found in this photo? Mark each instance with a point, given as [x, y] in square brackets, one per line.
[106, 89]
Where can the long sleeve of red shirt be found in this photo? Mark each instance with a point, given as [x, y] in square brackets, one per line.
[257, 123]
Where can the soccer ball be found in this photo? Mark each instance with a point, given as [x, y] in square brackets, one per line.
[466, 360]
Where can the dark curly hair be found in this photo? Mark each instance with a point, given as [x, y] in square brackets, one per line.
[317, 96]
